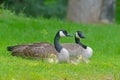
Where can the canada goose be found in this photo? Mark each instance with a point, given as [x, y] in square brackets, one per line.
[63, 54]
[78, 49]
[42, 49]
[34, 50]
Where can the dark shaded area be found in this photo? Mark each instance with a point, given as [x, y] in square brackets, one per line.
[108, 10]
[38, 8]
[1, 1]
[118, 11]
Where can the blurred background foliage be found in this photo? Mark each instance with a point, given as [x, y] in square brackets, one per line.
[118, 11]
[38, 8]
[44, 8]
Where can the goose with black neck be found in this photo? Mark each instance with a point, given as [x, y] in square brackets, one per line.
[79, 49]
[63, 54]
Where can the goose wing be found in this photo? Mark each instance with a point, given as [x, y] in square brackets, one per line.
[73, 49]
[41, 49]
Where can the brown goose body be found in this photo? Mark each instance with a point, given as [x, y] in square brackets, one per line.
[35, 50]
[73, 49]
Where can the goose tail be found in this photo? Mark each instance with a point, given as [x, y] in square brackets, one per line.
[10, 48]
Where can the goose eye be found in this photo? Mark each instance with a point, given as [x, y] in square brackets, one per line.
[65, 32]
[81, 35]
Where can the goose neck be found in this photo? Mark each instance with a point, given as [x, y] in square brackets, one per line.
[77, 40]
[58, 47]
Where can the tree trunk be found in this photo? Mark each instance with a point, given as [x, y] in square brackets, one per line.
[90, 11]
[108, 11]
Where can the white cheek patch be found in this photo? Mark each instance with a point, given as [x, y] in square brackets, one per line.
[77, 35]
[61, 34]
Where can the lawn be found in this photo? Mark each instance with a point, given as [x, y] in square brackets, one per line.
[104, 40]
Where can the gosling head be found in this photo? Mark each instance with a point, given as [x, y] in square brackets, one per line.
[79, 34]
[52, 58]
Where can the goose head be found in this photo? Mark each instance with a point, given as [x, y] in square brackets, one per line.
[59, 34]
[79, 34]
[63, 33]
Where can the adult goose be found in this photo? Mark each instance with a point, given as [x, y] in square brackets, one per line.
[42, 49]
[34, 50]
[63, 54]
[78, 49]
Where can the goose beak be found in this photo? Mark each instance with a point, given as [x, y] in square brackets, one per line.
[82, 36]
[68, 35]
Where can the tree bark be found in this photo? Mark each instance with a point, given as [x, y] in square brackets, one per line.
[90, 11]
[108, 11]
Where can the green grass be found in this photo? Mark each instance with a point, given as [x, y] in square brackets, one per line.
[104, 40]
